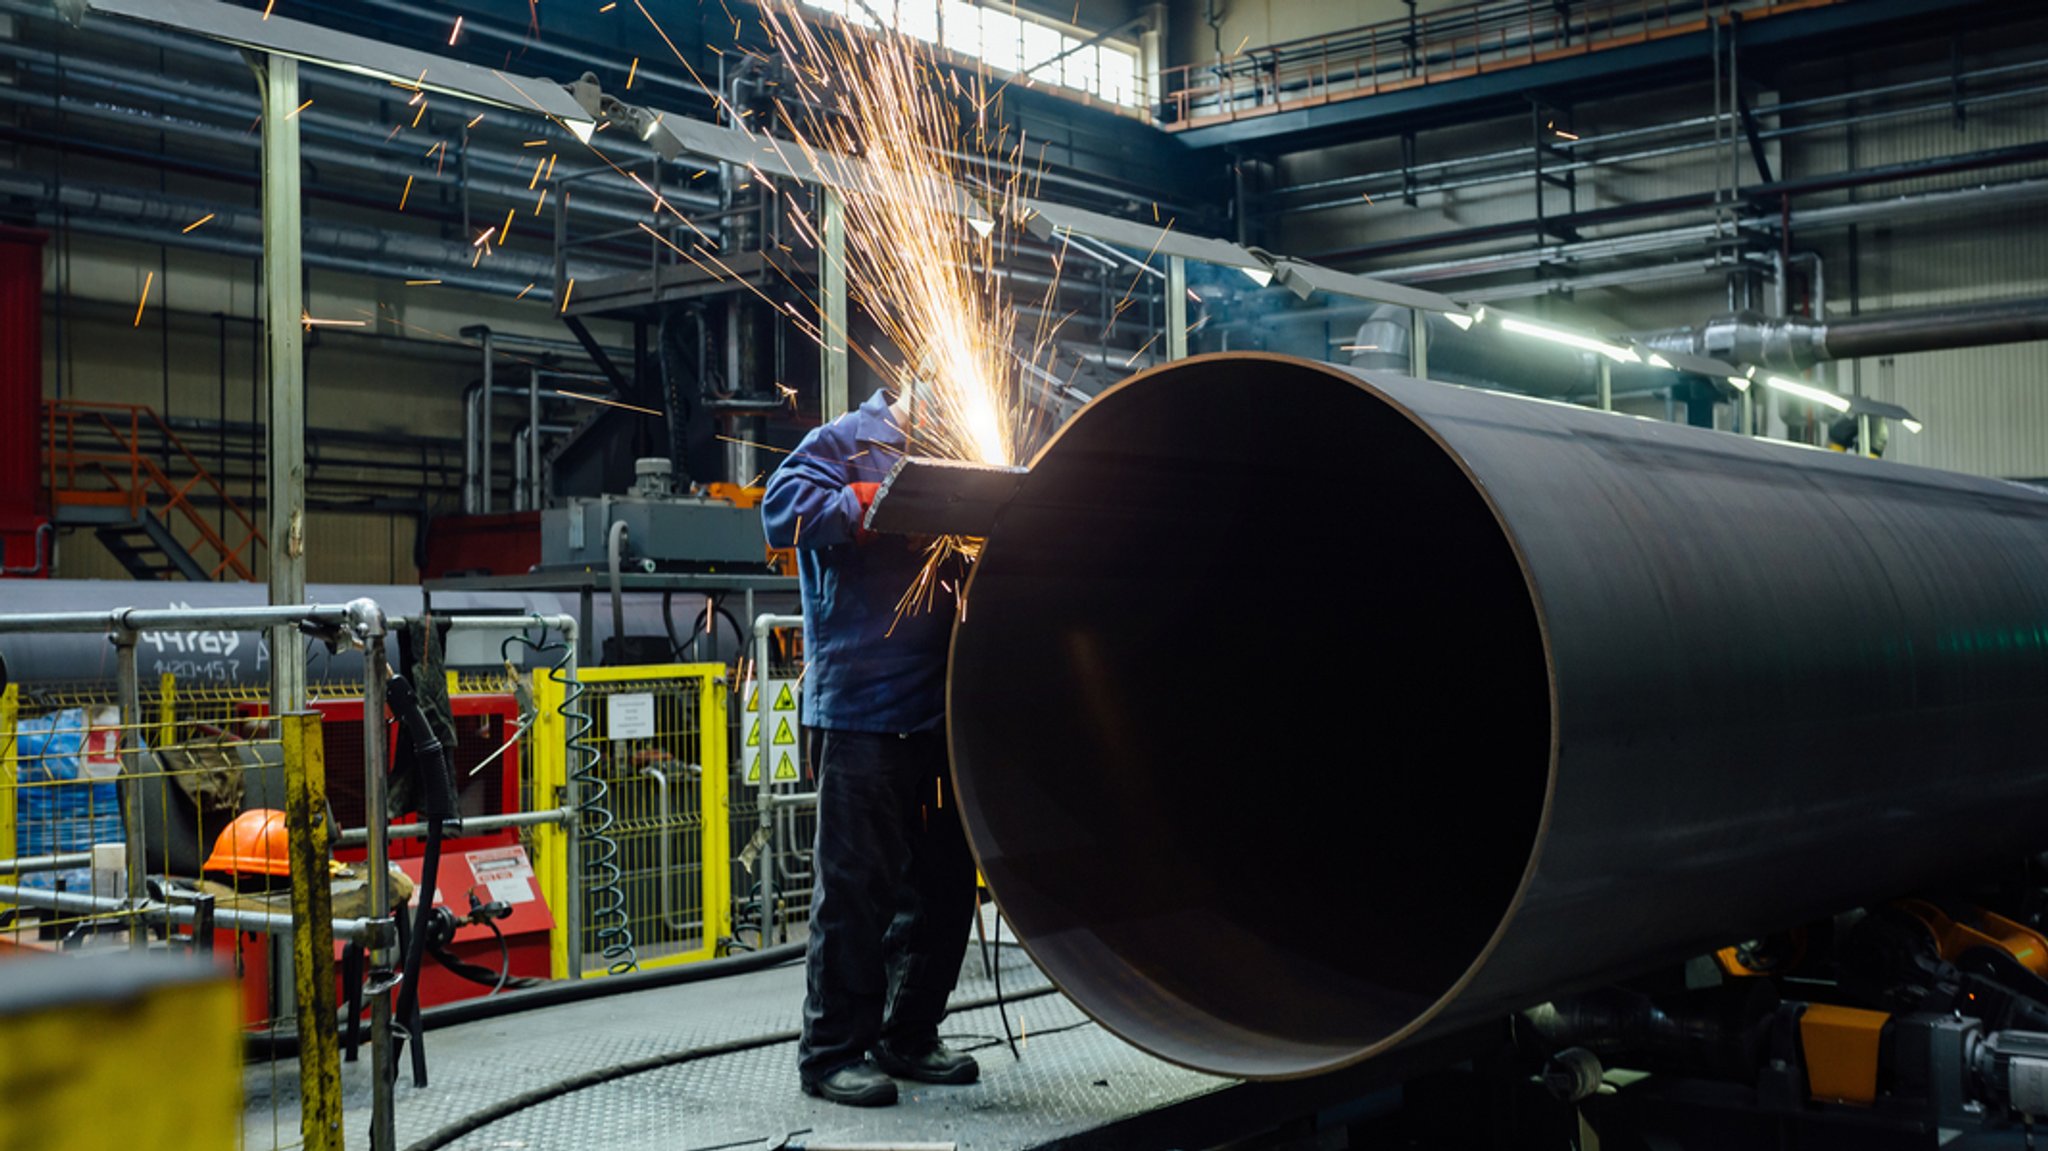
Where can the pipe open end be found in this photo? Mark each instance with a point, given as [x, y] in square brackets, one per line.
[1251, 728]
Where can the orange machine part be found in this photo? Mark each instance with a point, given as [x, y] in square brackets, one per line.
[1840, 1044]
[1980, 928]
[738, 495]
[782, 560]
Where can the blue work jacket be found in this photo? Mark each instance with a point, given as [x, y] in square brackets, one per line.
[866, 670]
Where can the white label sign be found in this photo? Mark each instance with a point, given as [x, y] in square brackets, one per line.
[629, 716]
[504, 871]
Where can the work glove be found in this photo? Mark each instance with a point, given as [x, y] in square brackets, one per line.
[864, 492]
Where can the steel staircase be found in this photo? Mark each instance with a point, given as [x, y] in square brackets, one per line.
[119, 469]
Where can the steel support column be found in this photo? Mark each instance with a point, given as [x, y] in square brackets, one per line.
[832, 396]
[283, 309]
[1176, 308]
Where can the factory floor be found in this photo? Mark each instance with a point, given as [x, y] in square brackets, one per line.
[1072, 1079]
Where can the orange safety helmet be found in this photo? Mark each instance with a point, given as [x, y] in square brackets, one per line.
[254, 844]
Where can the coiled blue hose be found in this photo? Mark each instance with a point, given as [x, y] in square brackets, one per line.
[604, 899]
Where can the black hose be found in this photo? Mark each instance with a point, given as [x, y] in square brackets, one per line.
[505, 1108]
[555, 994]
[408, 1012]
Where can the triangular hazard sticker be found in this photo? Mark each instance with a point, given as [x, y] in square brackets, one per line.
[754, 734]
[786, 700]
[785, 769]
[753, 697]
[754, 770]
[783, 734]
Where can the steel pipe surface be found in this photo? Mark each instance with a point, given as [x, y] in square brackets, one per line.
[1564, 695]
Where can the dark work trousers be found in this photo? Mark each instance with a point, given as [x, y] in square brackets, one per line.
[891, 901]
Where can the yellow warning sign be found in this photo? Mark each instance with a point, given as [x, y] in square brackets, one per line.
[781, 720]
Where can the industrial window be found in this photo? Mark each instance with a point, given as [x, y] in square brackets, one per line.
[1006, 40]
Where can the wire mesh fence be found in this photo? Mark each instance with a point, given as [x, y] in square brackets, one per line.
[651, 784]
[118, 832]
[165, 834]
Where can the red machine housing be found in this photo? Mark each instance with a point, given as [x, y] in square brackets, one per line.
[24, 497]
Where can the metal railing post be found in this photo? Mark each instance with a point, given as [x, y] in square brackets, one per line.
[764, 796]
[572, 798]
[376, 671]
[130, 692]
[10, 769]
[714, 755]
[305, 784]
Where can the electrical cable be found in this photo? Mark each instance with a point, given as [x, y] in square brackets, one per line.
[602, 872]
[506, 1108]
[1002, 1011]
[552, 994]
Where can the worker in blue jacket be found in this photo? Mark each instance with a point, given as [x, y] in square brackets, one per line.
[894, 888]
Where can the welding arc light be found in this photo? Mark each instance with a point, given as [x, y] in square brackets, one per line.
[1614, 352]
[1808, 392]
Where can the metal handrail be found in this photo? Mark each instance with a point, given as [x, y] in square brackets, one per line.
[1432, 47]
[143, 472]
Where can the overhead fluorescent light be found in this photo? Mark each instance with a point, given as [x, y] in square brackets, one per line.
[1839, 403]
[1259, 276]
[982, 228]
[1463, 321]
[1739, 383]
[1613, 352]
[1657, 361]
[1913, 426]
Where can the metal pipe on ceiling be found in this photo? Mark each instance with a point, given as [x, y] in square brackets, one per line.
[349, 153]
[157, 219]
[1592, 694]
[1510, 155]
[1795, 343]
[1525, 175]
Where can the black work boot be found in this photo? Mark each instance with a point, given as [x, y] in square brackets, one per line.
[935, 1063]
[859, 1084]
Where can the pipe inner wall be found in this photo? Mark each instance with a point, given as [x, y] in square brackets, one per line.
[1173, 826]
[1555, 696]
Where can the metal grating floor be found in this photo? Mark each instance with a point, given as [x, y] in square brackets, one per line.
[1073, 1076]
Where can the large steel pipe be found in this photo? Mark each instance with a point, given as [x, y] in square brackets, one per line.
[1555, 695]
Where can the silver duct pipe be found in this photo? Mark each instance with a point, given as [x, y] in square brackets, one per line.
[1792, 343]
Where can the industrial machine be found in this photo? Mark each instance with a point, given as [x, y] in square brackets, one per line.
[655, 528]
[1585, 697]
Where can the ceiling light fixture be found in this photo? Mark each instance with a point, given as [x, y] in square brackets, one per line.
[1614, 352]
[1822, 396]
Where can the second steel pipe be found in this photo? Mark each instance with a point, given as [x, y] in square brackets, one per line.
[1557, 695]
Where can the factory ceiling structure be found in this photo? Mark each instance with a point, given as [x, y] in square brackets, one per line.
[442, 445]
